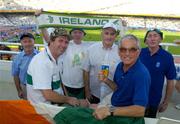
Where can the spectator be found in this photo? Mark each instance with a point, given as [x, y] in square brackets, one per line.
[43, 81]
[97, 55]
[131, 94]
[71, 73]
[177, 86]
[160, 64]
[5, 56]
[72, 76]
[21, 62]
[178, 89]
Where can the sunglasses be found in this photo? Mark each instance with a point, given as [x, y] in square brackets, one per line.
[130, 50]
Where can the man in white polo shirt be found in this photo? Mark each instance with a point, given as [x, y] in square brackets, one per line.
[43, 80]
[99, 54]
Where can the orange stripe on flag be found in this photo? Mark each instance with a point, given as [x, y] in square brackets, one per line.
[19, 112]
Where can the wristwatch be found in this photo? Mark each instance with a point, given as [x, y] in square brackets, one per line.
[111, 110]
[112, 113]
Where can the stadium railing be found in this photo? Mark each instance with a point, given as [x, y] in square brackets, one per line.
[39, 46]
[166, 45]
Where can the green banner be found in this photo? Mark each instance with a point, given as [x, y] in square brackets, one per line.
[76, 20]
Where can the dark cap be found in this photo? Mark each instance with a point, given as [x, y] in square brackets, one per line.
[156, 30]
[80, 29]
[27, 35]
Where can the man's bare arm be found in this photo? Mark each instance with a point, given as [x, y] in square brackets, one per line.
[52, 96]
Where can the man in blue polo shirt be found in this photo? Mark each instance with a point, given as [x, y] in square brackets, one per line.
[160, 65]
[21, 62]
[132, 81]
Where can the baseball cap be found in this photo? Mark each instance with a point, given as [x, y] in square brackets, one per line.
[155, 30]
[27, 35]
[59, 32]
[110, 25]
[80, 29]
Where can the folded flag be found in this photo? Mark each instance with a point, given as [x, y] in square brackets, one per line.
[79, 115]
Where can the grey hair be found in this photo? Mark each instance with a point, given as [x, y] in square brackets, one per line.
[130, 37]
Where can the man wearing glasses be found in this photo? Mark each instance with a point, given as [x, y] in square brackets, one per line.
[160, 64]
[132, 81]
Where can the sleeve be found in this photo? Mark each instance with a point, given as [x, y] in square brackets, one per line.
[41, 76]
[141, 90]
[15, 66]
[115, 74]
[171, 70]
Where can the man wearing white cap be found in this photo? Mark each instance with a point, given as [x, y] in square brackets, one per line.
[100, 56]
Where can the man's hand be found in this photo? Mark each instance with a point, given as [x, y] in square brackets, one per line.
[101, 113]
[102, 77]
[38, 12]
[163, 106]
[20, 94]
[73, 101]
[84, 103]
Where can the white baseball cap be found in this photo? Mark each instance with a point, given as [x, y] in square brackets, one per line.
[110, 25]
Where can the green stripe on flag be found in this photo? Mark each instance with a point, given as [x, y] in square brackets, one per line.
[79, 115]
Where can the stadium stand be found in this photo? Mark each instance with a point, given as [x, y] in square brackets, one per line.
[4, 21]
[11, 5]
[171, 24]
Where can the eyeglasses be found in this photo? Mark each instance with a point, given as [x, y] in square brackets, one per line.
[130, 50]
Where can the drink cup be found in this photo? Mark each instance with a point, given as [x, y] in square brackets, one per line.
[105, 70]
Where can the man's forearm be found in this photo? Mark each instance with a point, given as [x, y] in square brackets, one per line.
[52, 96]
[86, 79]
[17, 83]
[131, 111]
[111, 84]
[45, 35]
[86, 83]
[169, 90]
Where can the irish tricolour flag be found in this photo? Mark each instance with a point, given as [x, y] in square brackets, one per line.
[22, 112]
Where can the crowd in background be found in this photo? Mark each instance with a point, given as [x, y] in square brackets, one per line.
[11, 5]
[13, 25]
[11, 34]
[160, 23]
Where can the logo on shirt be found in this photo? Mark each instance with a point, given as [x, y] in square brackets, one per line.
[158, 64]
[77, 59]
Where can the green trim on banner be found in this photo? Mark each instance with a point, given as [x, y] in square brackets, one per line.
[66, 26]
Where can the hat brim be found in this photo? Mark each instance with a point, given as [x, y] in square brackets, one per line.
[79, 29]
[27, 35]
